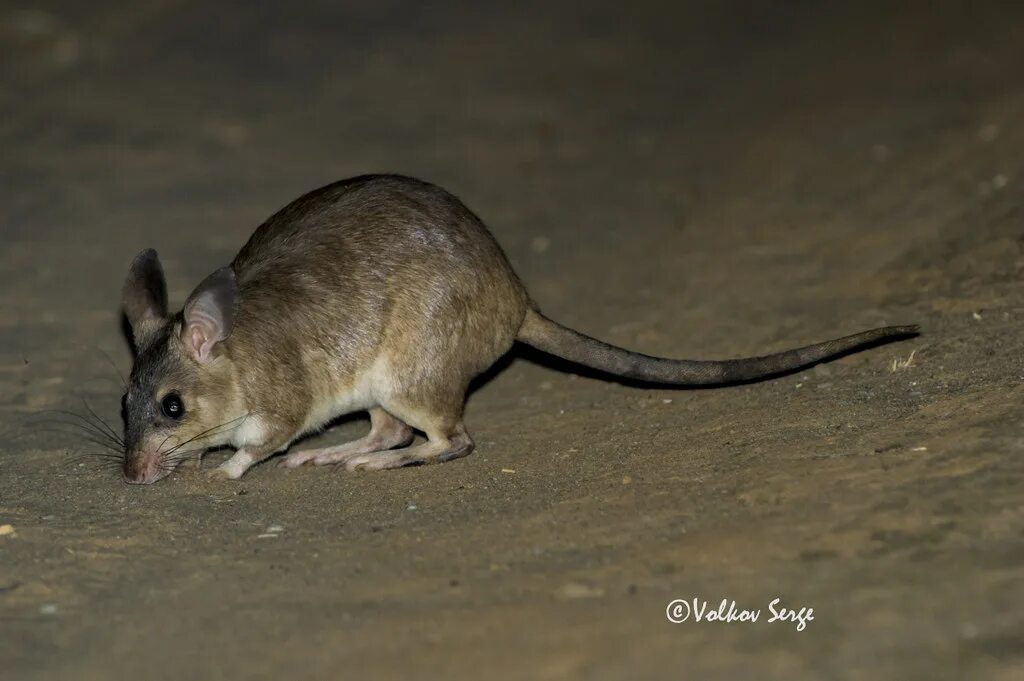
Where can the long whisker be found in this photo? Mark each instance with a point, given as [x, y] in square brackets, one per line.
[101, 462]
[100, 456]
[208, 433]
[106, 425]
[83, 427]
[170, 459]
[97, 458]
[117, 450]
[87, 435]
[124, 382]
[85, 422]
[162, 442]
[170, 463]
[104, 453]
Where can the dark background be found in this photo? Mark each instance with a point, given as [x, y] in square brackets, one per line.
[706, 180]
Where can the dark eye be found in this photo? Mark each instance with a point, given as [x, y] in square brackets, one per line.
[172, 407]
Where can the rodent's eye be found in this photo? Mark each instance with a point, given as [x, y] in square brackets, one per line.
[172, 406]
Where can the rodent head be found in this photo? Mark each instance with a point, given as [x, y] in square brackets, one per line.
[182, 394]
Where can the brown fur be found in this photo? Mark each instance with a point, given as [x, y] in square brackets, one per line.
[378, 293]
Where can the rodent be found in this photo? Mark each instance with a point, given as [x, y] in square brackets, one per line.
[380, 293]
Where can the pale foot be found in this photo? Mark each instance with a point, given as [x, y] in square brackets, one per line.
[431, 451]
[233, 468]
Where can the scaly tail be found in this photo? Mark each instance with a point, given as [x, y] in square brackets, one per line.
[553, 338]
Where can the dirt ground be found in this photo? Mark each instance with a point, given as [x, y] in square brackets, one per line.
[695, 180]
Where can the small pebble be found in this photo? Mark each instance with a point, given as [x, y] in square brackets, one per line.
[411, 507]
[275, 528]
[508, 470]
[6, 530]
[580, 590]
[48, 609]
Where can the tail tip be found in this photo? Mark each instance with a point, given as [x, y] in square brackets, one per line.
[908, 330]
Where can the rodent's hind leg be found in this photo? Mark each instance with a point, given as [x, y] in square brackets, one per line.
[443, 444]
[386, 432]
[435, 409]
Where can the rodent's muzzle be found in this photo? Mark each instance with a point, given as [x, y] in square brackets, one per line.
[142, 469]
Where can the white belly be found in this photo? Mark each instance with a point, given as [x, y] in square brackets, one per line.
[330, 404]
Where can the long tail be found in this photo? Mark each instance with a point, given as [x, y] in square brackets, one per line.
[555, 339]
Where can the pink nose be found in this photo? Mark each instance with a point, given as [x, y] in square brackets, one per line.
[141, 470]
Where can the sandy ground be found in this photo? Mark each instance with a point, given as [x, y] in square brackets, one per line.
[709, 180]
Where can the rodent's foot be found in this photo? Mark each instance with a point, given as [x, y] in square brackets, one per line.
[358, 463]
[375, 462]
[233, 468]
[296, 459]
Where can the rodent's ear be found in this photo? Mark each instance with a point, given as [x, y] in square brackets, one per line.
[210, 313]
[144, 295]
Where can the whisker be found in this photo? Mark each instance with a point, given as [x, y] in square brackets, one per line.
[205, 434]
[106, 425]
[124, 381]
[85, 422]
[78, 423]
[97, 459]
[83, 436]
[171, 463]
[162, 442]
[117, 450]
[88, 437]
[101, 454]
[80, 430]
[215, 430]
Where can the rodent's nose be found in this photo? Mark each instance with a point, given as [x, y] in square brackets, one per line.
[132, 480]
[136, 472]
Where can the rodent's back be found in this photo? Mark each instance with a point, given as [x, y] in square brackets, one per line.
[374, 224]
[383, 262]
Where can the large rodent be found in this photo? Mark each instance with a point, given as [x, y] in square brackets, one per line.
[379, 293]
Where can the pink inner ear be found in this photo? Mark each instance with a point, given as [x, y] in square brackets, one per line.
[205, 322]
[200, 342]
[202, 332]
